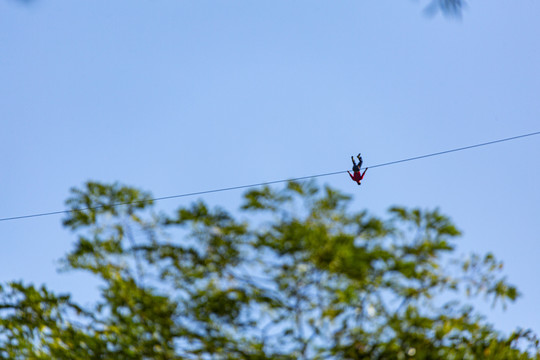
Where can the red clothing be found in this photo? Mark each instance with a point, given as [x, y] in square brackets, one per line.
[357, 177]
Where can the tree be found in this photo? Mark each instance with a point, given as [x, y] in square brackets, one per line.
[301, 277]
[447, 7]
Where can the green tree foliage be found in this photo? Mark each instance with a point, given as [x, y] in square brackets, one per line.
[298, 275]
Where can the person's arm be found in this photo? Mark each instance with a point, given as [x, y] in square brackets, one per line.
[362, 177]
[352, 177]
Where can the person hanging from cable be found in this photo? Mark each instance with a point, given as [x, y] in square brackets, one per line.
[356, 169]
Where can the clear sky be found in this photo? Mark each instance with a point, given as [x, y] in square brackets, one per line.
[181, 96]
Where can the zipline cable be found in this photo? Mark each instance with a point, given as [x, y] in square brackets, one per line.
[457, 149]
[271, 182]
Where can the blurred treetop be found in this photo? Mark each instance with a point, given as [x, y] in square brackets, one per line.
[301, 277]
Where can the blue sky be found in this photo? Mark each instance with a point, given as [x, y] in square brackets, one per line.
[183, 96]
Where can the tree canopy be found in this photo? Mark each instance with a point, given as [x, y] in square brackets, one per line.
[296, 274]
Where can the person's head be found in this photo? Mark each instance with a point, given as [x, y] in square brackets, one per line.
[358, 183]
